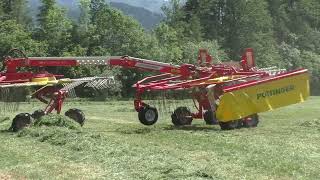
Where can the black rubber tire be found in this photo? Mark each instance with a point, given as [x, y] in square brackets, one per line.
[20, 121]
[77, 115]
[210, 118]
[148, 115]
[181, 117]
[38, 114]
[236, 124]
[251, 121]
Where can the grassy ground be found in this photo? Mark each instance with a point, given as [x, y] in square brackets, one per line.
[114, 145]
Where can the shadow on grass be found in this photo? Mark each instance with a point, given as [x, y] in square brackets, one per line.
[137, 131]
[6, 131]
[147, 130]
[193, 128]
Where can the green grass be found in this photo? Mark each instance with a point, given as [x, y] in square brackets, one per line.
[114, 145]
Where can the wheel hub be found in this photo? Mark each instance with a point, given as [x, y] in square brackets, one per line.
[184, 117]
[150, 115]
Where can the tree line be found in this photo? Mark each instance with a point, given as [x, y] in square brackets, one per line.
[283, 33]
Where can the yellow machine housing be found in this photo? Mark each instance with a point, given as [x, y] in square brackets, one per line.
[264, 95]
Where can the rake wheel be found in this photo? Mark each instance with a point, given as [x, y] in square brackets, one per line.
[236, 124]
[210, 118]
[20, 121]
[77, 115]
[38, 114]
[251, 121]
[182, 116]
[148, 115]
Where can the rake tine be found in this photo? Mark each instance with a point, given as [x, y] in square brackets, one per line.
[89, 84]
[105, 83]
[93, 85]
[102, 84]
[99, 84]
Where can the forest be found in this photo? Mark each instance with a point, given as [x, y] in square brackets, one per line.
[283, 33]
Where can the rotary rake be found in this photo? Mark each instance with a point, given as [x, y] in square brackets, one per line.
[230, 94]
[52, 89]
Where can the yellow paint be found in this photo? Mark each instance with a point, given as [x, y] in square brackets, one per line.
[263, 97]
[216, 80]
[43, 80]
[47, 81]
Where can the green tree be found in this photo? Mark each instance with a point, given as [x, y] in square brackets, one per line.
[278, 11]
[14, 35]
[113, 33]
[85, 16]
[95, 7]
[249, 24]
[176, 19]
[15, 10]
[193, 30]
[235, 24]
[295, 59]
[174, 13]
[80, 31]
[46, 6]
[311, 61]
[1, 10]
[54, 28]
[168, 38]
[297, 18]
[191, 50]
[211, 14]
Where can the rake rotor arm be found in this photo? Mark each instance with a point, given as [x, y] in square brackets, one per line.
[204, 69]
[12, 64]
[153, 66]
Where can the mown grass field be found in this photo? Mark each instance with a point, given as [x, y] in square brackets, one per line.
[114, 145]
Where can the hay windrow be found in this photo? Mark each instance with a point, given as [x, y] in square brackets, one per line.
[52, 128]
[60, 136]
[61, 131]
[57, 120]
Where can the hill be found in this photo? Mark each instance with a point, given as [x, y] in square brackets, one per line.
[151, 5]
[147, 18]
[146, 12]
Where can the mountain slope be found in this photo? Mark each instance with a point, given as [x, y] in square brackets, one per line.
[151, 5]
[147, 18]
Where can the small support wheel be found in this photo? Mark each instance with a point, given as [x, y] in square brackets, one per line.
[210, 118]
[182, 116]
[21, 121]
[251, 121]
[38, 114]
[77, 115]
[235, 124]
[148, 115]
